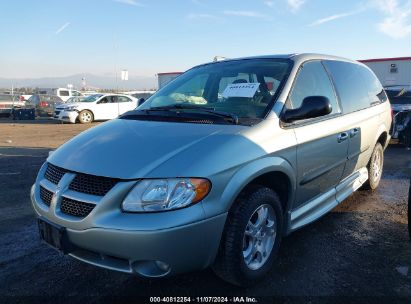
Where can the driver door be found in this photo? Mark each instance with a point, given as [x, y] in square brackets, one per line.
[322, 143]
[106, 108]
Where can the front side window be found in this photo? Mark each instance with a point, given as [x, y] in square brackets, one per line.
[106, 99]
[244, 88]
[91, 98]
[312, 80]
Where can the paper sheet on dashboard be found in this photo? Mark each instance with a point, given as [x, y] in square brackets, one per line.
[241, 90]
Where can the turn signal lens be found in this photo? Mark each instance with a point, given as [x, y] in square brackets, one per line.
[202, 188]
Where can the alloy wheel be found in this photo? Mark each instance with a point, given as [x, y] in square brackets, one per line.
[259, 237]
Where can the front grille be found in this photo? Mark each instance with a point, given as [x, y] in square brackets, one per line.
[46, 195]
[90, 184]
[75, 208]
[54, 173]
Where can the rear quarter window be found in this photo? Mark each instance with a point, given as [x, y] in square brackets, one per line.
[357, 87]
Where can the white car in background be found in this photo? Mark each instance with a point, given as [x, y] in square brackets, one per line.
[95, 107]
[63, 93]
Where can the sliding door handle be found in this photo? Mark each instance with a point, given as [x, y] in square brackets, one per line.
[343, 136]
[354, 132]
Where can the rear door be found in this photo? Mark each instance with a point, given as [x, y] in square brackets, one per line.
[125, 104]
[322, 142]
[360, 93]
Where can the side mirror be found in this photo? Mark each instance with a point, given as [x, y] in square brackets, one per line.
[312, 106]
[140, 102]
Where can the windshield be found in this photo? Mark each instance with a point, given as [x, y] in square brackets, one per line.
[244, 88]
[91, 98]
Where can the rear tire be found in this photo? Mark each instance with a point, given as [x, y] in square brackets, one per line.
[251, 237]
[375, 167]
[85, 116]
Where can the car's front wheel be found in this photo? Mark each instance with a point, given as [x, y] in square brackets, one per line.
[251, 238]
[85, 116]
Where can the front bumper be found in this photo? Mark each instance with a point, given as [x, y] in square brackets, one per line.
[184, 239]
[68, 116]
[183, 249]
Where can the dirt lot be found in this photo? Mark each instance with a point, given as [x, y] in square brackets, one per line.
[358, 252]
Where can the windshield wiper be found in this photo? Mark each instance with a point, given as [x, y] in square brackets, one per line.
[231, 116]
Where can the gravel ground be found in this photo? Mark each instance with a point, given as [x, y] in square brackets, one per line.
[359, 252]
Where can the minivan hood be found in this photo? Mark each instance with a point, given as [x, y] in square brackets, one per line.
[130, 149]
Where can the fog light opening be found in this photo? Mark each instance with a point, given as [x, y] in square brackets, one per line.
[151, 269]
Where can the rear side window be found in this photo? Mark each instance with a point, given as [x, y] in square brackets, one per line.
[357, 87]
[123, 99]
[64, 93]
[312, 80]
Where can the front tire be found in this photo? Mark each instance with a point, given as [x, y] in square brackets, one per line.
[85, 116]
[251, 237]
[375, 167]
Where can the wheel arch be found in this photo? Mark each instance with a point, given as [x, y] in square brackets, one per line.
[272, 172]
[92, 113]
[382, 137]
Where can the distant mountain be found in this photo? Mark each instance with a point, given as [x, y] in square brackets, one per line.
[92, 81]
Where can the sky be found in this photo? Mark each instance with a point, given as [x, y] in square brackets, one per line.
[54, 38]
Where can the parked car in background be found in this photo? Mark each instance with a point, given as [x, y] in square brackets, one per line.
[400, 98]
[63, 93]
[141, 95]
[8, 102]
[25, 97]
[44, 105]
[95, 107]
[216, 167]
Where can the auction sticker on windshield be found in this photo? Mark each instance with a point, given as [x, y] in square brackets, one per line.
[241, 90]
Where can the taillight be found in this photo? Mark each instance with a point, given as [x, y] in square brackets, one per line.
[43, 104]
[22, 98]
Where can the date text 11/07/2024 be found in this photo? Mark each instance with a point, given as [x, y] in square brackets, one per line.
[203, 300]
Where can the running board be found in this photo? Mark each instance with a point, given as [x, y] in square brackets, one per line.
[327, 201]
[347, 186]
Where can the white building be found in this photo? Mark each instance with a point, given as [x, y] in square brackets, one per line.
[164, 78]
[391, 71]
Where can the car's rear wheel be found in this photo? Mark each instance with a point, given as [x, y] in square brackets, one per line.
[251, 237]
[85, 116]
[375, 167]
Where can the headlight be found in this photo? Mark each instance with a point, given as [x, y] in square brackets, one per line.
[165, 194]
[73, 108]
